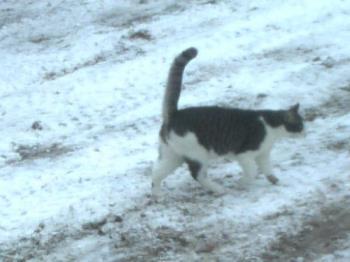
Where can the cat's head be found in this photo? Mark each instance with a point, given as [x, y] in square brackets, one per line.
[293, 121]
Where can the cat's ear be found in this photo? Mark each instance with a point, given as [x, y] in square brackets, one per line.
[295, 108]
[291, 114]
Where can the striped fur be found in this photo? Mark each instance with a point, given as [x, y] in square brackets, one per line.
[195, 135]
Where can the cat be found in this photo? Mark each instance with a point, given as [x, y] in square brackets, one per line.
[195, 135]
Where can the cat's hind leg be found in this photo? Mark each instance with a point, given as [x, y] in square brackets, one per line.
[167, 162]
[263, 162]
[199, 173]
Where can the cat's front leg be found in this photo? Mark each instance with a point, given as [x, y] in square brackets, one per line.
[264, 164]
[249, 169]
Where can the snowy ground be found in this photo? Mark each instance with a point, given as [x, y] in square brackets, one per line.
[81, 84]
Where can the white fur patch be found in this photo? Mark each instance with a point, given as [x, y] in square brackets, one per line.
[189, 147]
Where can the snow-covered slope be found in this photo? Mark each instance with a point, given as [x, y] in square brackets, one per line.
[81, 84]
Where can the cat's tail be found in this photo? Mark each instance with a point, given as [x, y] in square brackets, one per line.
[174, 83]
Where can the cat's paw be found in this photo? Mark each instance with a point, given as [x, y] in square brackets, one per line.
[156, 198]
[220, 192]
[156, 192]
[243, 183]
[217, 189]
[272, 179]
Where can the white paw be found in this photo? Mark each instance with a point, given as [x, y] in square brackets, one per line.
[217, 189]
[220, 191]
[156, 193]
[244, 182]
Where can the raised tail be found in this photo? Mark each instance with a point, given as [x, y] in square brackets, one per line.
[174, 83]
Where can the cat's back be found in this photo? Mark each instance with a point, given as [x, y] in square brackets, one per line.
[222, 129]
[214, 118]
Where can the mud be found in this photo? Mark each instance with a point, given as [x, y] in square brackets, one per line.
[320, 235]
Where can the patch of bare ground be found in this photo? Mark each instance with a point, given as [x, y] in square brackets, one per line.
[142, 15]
[320, 235]
[40, 243]
[140, 34]
[49, 76]
[339, 145]
[148, 244]
[32, 246]
[121, 53]
[337, 104]
[285, 54]
[37, 151]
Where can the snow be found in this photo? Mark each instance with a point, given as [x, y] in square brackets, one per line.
[78, 187]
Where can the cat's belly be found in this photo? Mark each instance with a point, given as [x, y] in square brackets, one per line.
[189, 147]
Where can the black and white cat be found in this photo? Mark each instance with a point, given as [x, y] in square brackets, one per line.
[197, 134]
